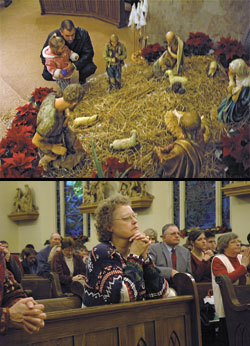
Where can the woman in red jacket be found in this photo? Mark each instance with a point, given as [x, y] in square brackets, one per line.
[229, 261]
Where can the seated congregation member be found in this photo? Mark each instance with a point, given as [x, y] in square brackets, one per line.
[43, 255]
[169, 257]
[229, 262]
[77, 40]
[16, 310]
[200, 257]
[119, 268]
[211, 241]
[68, 265]
[29, 262]
[83, 252]
[152, 234]
[13, 263]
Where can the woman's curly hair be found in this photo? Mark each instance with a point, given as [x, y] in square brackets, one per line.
[104, 215]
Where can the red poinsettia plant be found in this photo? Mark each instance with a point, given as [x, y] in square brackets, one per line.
[198, 43]
[113, 168]
[236, 153]
[228, 50]
[18, 156]
[152, 52]
[39, 95]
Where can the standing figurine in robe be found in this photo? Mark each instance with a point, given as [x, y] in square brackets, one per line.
[114, 53]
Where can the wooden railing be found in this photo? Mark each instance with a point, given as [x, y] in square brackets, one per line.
[163, 322]
[236, 301]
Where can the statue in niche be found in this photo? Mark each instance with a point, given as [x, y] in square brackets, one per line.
[124, 188]
[100, 191]
[24, 201]
[87, 197]
[138, 189]
[97, 191]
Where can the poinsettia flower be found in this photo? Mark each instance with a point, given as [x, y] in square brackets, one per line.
[231, 144]
[20, 161]
[27, 109]
[16, 134]
[243, 156]
[40, 93]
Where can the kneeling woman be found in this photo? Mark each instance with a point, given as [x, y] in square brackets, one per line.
[119, 268]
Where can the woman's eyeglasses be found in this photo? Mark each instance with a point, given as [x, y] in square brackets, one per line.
[127, 218]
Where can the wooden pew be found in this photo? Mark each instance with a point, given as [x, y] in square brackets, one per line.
[161, 322]
[236, 301]
[41, 287]
[61, 304]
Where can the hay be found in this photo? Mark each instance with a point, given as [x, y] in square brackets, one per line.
[141, 104]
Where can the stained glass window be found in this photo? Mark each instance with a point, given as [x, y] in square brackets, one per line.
[200, 204]
[225, 207]
[176, 203]
[73, 193]
[73, 218]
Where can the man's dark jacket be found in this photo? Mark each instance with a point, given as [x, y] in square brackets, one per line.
[81, 45]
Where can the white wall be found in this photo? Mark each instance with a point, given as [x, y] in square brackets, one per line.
[8, 229]
[240, 216]
[36, 232]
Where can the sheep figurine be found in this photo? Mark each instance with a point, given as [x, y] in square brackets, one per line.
[212, 68]
[175, 79]
[125, 143]
[85, 121]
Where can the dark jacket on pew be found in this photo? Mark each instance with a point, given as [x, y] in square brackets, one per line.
[59, 266]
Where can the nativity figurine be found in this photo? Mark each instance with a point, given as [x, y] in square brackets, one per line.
[183, 158]
[58, 145]
[114, 53]
[172, 58]
[236, 105]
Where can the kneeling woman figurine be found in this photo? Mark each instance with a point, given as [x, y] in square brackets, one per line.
[119, 268]
[236, 105]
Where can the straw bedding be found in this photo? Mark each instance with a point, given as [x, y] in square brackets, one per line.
[141, 105]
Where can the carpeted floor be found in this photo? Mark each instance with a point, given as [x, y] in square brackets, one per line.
[23, 31]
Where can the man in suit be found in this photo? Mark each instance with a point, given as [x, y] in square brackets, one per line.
[161, 253]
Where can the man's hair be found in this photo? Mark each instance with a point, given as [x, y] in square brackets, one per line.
[67, 24]
[104, 215]
[28, 251]
[209, 235]
[56, 42]
[166, 227]
[73, 93]
[224, 240]
[4, 242]
[150, 232]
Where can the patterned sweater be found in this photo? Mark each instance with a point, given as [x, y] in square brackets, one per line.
[113, 279]
[10, 293]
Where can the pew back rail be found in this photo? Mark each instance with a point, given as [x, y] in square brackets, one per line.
[159, 322]
[236, 301]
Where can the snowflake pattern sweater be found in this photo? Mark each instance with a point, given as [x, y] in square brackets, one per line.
[113, 279]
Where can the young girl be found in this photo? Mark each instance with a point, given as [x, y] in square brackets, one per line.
[57, 60]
